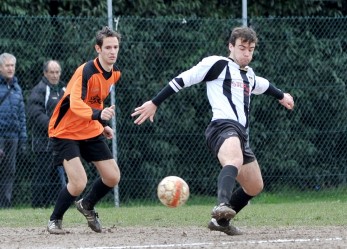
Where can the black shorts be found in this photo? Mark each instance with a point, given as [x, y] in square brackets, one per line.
[221, 129]
[93, 149]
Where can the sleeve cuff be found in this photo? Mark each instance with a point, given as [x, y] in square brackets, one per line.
[162, 95]
[275, 92]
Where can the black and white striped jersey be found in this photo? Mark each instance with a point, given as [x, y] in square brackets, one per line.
[228, 86]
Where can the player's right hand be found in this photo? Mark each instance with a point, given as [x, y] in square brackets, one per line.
[108, 132]
[107, 113]
[147, 110]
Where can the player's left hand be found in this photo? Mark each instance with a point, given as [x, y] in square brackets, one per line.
[108, 132]
[287, 101]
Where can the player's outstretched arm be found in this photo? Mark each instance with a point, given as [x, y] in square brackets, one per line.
[287, 101]
[147, 110]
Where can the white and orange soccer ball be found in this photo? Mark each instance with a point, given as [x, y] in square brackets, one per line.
[173, 191]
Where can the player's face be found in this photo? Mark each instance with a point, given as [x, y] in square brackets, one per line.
[53, 73]
[108, 52]
[242, 52]
[8, 68]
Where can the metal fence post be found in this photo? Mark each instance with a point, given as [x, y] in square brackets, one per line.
[113, 102]
[244, 13]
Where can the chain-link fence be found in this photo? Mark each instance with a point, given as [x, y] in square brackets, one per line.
[301, 150]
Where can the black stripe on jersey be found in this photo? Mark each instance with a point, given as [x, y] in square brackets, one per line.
[246, 94]
[215, 70]
[88, 70]
[179, 82]
[65, 106]
[227, 90]
[212, 74]
[255, 83]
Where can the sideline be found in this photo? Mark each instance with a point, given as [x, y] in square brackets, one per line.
[179, 245]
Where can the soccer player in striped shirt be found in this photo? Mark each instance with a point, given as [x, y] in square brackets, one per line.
[230, 83]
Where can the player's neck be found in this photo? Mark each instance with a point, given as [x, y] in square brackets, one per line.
[231, 58]
[105, 66]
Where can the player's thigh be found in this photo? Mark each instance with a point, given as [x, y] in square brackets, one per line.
[77, 177]
[250, 178]
[230, 152]
[109, 171]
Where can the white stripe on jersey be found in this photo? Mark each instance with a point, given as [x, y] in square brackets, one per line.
[175, 85]
[223, 78]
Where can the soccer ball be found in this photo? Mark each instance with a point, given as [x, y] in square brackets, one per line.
[173, 191]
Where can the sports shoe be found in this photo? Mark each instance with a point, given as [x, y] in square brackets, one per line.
[91, 216]
[229, 230]
[223, 211]
[55, 227]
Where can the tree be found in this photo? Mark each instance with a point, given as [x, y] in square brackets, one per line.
[223, 9]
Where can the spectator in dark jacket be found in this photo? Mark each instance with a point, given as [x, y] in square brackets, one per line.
[47, 180]
[13, 133]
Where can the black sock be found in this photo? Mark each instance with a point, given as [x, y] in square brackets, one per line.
[239, 199]
[226, 183]
[98, 191]
[64, 201]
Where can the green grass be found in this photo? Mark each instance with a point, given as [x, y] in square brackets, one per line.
[288, 208]
[317, 213]
[291, 196]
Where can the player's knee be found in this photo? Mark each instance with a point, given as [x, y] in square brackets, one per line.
[77, 187]
[112, 180]
[255, 189]
[259, 188]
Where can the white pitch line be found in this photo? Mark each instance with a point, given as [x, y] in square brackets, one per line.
[215, 244]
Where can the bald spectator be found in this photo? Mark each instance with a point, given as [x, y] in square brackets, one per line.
[12, 126]
[47, 180]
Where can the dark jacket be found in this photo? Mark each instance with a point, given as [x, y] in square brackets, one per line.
[41, 103]
[12, 111]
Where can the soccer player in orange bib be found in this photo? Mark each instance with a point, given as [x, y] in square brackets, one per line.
[79, 128]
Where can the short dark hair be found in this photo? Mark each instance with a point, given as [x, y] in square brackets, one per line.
[106, 32]
[246, 34]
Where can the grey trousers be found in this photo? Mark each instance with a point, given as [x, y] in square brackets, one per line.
[7, 170]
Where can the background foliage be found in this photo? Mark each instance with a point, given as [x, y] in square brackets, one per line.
[299, 150]
[301, 52]
[195, 8]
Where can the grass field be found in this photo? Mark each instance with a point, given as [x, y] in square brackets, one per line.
[285, 221]
[264, 211]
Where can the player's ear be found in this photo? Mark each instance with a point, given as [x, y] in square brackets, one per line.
[97, 48]
[230, 46]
